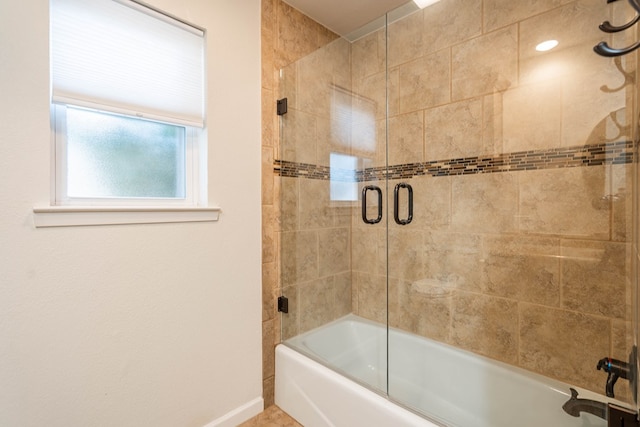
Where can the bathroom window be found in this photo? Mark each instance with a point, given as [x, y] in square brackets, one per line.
[344, 185]
[127, 105]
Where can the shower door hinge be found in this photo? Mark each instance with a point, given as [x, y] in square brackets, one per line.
[283, 304]
[282, 106]
[622, 417]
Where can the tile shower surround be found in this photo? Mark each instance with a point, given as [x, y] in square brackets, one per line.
[528, 290]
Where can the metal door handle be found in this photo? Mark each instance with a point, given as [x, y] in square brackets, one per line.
[364, 204]
[396, 197]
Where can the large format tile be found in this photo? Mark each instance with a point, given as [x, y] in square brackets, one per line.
[498, 13]
[449, 22]
[454, 130]
[370, 295]
[564, 345]
[334, 249]
[422, 307]
[454, 260]
[424, 82]
[486, 325]
[522, 268]
[532, 119]
[595, 277]
[568, 202]
[299, 256]
[405, 138]
[485, 203]
[485, 64]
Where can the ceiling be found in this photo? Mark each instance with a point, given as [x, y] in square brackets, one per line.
[344, 16]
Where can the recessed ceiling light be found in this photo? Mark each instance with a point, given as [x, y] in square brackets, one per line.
[547, 45]
[424, 3]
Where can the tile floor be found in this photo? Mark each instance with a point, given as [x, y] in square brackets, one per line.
[271, 417]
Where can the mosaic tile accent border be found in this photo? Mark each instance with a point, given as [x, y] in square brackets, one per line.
[580, 156]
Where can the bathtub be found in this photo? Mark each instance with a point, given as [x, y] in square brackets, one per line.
[454, 387]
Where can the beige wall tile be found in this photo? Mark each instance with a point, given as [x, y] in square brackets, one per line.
[593, 112]
[333, 251]
[287, 85]
[371, 296]
[368, 55]
[485, 202]
[493, 123]
[298, 142]
[269, 290]
[594, 277]
[523, 268]
[588, 80]
[267, 176]
[315, 204]
[316, 300]
[343, 295]
[291, 321]
[622, 201]
[406, 253]
[486, 325]
[454, 130]
[485, 64]
[565, 202]
[269, 118]
[372, 90]
[533, 118]
[268, 57]
[450, 22]
[454, 260]
[299, 257]
[268, 234]
[364, 255]
[405, 139]
[431, 202]
[298, 35]
[289, 192]
[552, 343]
[268, 356]
[406, 39]
[319, 73]
[268, 388]
[499, 13]
[422, 307]
[424, 82]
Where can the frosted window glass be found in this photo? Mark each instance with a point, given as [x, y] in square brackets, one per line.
[116, 156]
[343, 185]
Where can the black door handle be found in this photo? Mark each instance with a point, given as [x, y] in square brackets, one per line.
[364, 204]
[396, 198]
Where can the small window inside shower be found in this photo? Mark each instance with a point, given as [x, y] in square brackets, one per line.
[344, 185]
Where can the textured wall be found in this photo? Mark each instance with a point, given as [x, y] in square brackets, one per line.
[132, 325]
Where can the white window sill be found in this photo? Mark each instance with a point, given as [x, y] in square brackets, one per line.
[74, 216]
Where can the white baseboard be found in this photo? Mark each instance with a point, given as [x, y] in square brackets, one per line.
[239, 415]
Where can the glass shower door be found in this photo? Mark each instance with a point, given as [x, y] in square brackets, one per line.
[332, 262]
[519, 161]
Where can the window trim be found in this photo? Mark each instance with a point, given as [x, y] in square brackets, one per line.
[73, 216]
[193, 196]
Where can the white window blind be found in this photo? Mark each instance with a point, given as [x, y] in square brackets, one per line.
[121, 57]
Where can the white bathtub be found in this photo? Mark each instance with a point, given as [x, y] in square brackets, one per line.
[454, 387]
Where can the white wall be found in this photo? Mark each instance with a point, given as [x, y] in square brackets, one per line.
[131, 325]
